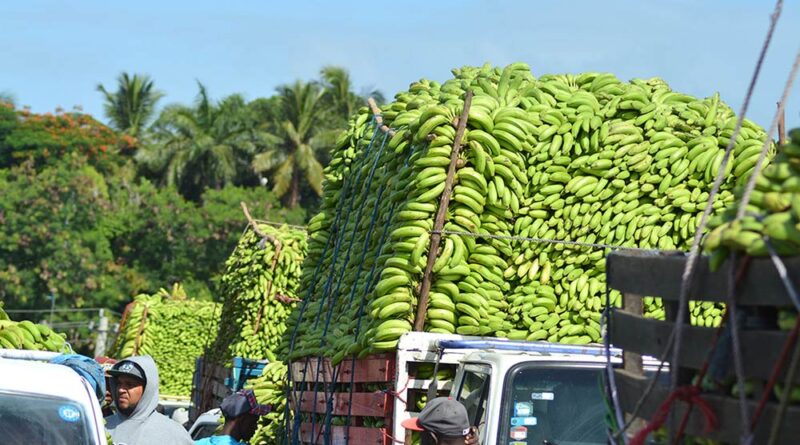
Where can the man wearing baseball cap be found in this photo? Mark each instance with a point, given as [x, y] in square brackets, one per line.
[134, 386]
[444, 421]
[241, 412]
[108, 402]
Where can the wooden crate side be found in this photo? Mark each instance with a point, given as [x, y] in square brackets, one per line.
[365, 404]
[340, 435]
[660, 275]
[373, 369]
[760, 349]
[631, 387]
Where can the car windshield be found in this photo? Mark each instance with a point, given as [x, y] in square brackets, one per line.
[555, 405]
[27, 419]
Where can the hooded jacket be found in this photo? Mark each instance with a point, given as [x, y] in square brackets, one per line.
[145, 426]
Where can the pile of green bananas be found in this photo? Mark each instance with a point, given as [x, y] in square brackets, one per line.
[576, 158]
[28, 335]
[257, 299]
[270, 389]
[175, 331]
[773, 214]
[773, 211]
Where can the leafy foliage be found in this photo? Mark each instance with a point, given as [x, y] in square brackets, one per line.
[48, 138]
[292, 153]
[93, 214]
[132, 105]
[94, 241]
[202, 146]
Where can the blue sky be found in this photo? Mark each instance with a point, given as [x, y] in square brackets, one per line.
[54, 53]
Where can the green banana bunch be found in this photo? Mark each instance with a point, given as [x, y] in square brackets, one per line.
[773, 211]
[257, 299]
[587, 160]
[175, 331]
[270, 389]
[28, 335]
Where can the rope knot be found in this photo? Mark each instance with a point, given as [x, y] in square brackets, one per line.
[687, 394]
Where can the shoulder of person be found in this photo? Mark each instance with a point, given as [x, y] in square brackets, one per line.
[112, 421]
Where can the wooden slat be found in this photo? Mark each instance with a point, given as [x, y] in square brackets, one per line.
[760, 349]
[374, 369]
[219, 390]
[631, 387]
[365, 404]
[214, 371]
[659, 275]
[357, 435]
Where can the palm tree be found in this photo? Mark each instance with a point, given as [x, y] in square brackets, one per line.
[339, 91]
[297, 132]
[202, 146]
[130, 107]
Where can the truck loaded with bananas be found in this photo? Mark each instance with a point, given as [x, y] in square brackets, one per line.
[259, 288]
[173, 329]
[552, 171]
[270, 389]
[28, 335]
[772, 215]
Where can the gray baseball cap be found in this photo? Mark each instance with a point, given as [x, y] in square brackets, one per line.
[127, 367]
[443, 416]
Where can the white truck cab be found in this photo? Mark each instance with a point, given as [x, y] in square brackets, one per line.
[516, 392]
[541, 398]
[46, 404]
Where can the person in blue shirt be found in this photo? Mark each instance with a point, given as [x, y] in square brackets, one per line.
[241, 412]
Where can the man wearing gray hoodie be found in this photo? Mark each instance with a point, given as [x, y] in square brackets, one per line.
[135, 389]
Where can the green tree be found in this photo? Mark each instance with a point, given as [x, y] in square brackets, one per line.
[47, 138]
[205, 145]
[339, 91]
[290, 154]
[52, 237]
[131, 106]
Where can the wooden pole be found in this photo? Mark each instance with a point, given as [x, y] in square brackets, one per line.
[378, 118]
[782, 126]
[444, 201]
[631, 361]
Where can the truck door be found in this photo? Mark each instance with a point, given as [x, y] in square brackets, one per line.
[553, 405]
[472, 389]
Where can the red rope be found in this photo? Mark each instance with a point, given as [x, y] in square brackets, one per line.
[688, 394]
[776, 371]
[715, 339]
[386, 435]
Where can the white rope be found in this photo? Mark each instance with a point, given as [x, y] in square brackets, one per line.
[545, 241]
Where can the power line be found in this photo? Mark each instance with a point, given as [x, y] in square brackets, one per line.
[39, 311]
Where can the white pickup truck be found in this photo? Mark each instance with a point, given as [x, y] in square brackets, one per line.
[46, 404]
[516, 392]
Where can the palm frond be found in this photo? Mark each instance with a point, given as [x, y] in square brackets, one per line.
[283, 177]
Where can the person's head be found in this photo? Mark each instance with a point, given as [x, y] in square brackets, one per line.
[107, 363]
[241, 412]
[129, 382]
[443, 421]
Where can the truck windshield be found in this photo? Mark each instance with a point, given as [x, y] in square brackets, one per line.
[39, 420]
[556, 405]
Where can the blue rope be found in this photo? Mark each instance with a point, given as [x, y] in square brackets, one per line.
[337, 234]
[371, 281]
[335, 296]
[327, 287]
[340, 205]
